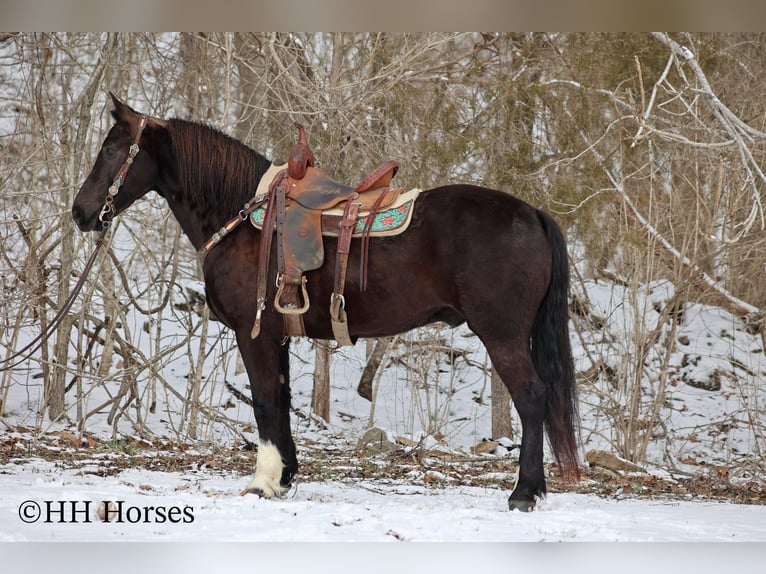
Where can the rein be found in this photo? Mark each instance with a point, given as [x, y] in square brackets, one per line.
[31, 348]
[105, 217]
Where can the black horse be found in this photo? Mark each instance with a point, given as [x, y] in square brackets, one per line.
[470, 255]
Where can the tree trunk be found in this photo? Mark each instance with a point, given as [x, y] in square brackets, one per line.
[373, 362]
[501, 408]
[320, 398]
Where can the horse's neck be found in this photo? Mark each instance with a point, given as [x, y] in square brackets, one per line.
[195, 223]
[199, 214]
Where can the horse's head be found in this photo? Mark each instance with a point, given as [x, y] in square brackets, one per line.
[138, 175]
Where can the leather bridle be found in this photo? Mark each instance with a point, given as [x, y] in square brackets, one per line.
[107, 211]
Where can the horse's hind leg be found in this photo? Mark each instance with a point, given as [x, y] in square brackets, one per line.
[267, 364]
[514, 365]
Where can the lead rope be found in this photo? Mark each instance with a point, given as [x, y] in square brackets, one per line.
[105, 217]
[32, 347]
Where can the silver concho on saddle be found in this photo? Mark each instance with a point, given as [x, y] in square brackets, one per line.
[306, 204]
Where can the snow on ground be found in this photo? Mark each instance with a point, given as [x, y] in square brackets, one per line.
[209, 509]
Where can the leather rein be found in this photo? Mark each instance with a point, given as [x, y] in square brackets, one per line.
[105, 217]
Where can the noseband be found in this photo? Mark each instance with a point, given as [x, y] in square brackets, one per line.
[106, 214]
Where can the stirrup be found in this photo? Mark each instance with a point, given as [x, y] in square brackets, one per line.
[339, 320]
[291, 310]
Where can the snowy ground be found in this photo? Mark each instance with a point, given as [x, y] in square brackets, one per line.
[209, 509]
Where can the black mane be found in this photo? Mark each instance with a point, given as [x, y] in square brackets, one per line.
[215, 170]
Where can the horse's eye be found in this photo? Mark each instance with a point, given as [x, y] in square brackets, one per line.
[109, 151]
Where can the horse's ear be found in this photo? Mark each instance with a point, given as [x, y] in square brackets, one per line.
[124, 113]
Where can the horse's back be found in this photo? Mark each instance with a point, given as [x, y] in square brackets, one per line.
[478, 222]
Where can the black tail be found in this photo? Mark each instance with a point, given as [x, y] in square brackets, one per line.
[552, 356]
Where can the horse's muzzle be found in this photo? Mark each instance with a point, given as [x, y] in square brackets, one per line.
[82, 220]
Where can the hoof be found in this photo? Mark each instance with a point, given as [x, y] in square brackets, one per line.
[521, 505]
[257, 491]
[263, 493]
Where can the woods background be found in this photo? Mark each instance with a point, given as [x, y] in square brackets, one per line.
[647, 148]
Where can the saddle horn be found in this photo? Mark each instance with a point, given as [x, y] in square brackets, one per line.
[301, 156]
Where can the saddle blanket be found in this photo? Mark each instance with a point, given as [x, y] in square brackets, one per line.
[391, 220]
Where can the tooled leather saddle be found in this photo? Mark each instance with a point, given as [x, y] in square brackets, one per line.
[300, 199]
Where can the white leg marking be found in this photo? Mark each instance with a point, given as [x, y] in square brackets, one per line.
[268, 472]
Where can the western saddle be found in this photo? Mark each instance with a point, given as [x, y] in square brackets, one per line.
[299, 198]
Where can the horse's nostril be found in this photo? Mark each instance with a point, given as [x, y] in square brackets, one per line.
[80, 218]
[77, 214]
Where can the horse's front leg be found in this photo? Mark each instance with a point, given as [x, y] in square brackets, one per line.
[267, 364]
